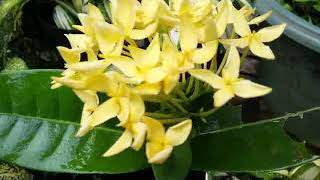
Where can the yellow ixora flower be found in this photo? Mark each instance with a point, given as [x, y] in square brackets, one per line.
[160, 143]
[255, 40]
[230, 84]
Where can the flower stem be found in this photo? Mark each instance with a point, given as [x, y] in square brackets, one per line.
[160, 115]
[205, 113]
[196, 91]
[190, 85]
[172, 121]
[244, 55]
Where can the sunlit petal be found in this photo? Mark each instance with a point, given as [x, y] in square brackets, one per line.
[206, 53]
[271, 33]
[105, 112]
[209, 77]
[156, 132]
[139, 131]
[231, 69]
[120, 145]
[260, 19]
[247, 89]
[261, 50]
[178, 134]
[222, 96]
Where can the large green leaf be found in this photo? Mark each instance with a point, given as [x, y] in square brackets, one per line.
[38, 126]
[256, 146]
[177, 166]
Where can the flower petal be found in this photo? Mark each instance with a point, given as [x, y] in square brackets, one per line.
[138, 34]
[170, 82]
[108, 37]
[147, 89]
[137, 108]
[95, 12]
[159, 157]
[222, 18]
[120, 145]
[105, 112]
[139, 131]
[86, 66]
[124, 13]
[206, 53]
[156, 132]
[74, 84]
[123, 114]
[155, 75]
[240, 23]
[261, 50]
[179, 133]
[230, 71]
[70, 55]
[99, 82]
[248, 89]
[125, 64]
[188, 35]
[271, 33]
[90, 98]
[208, 76]
[222, 96]
[260, 19]
[241, 42]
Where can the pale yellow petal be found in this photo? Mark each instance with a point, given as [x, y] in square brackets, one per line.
[74, 84]
[240, 24]
[139, 131]
[155, 75]
[123, 114]
[241, 42]
[208, 76]
[208, 31]
[188, 35]
[261, 50]
[108, 37]
[147, 58]
[87, 66]
[179, 133]
[105, 112]
[120, 145]
[271, 33]
[156, 132]
[138, 34]
[206, 53]
[247, 89]
[90, 98]
[147, 89]
[124, 13]
[99, 82]
[170, 82]
[170, 55]
[161, 156]
[137, 108]
[222, 96]
[222, 18]
[230, 71]
[125, 64]
[95, 12]
[260, 19]
[70, 55]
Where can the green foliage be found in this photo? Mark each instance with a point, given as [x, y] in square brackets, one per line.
[38, 126]
[10, 22]
[11, 172]
[308, 9]
[15, 64]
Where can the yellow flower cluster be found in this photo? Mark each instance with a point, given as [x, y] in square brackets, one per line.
[183, 37]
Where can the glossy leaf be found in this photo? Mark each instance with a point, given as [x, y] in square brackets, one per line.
[177, 166]
[38, 127]
[250, 147]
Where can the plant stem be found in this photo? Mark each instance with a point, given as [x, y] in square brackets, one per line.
[195, 91]
[181, 94]
[172, 121]
[244, 55]
[190, 85]
[205, 113]
[160, 115]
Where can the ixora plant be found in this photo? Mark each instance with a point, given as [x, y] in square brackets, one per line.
[132, 74]
[156, 85]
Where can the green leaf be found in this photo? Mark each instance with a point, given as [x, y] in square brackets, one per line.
[10, 21]
[38, 126]
[259, 146]
[177, 166]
